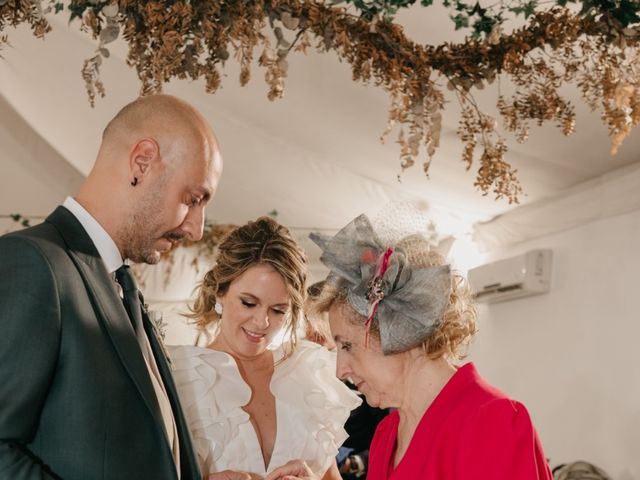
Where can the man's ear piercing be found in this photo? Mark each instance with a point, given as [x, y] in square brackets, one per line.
[135, 181]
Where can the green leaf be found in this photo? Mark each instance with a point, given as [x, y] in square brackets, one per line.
[484, 25]
[478, 9]
[462, 7]
[460, 21]
[77, 9]
[530, 8]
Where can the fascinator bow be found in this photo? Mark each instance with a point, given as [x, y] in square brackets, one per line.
[407, 302]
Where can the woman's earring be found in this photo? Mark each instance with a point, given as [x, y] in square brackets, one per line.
[134, 182]
[218, 308]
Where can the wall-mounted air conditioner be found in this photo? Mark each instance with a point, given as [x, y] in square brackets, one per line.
[521, 276]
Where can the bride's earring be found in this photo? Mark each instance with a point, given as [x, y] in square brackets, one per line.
[218, 308]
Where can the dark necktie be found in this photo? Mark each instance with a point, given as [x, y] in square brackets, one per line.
[131, 300]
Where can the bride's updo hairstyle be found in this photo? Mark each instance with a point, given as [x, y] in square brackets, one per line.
[263, 241]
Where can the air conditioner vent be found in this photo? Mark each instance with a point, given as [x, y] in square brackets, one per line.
[521, 276]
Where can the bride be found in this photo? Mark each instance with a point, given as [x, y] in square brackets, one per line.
[252, 409]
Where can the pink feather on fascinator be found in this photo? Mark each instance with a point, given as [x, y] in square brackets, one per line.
[375, 293]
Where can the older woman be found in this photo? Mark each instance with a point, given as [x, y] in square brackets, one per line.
[401, 319]
[251, 407]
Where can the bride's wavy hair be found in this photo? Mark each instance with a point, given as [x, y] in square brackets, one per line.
[263, 241]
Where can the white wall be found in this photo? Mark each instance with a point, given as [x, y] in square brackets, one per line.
[572, 355]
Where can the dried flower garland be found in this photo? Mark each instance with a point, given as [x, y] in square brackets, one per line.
[595, 49]
[24, 221]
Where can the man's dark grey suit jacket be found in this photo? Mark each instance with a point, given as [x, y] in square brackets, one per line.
[76, 400]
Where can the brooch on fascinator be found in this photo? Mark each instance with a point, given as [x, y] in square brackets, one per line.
[408, 301]
[375, 293]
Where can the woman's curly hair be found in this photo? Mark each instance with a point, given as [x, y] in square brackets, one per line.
[458, 324]
[263, 241]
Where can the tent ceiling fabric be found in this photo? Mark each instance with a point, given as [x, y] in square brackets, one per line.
[613, 193]
[33, 176]
[313, 156]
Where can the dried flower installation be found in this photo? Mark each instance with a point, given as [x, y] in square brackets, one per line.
[595, 49]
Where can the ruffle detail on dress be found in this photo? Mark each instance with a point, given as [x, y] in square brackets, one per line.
[319, 403]
[212, 394]
[312, 406]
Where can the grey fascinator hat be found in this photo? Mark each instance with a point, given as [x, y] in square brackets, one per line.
[408, 301]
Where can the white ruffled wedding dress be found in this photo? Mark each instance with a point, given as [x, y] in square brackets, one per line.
[312, 406]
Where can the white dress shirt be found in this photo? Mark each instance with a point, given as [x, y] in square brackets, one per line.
[108, 251]
[105, 245]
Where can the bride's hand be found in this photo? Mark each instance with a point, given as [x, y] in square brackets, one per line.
[228, 475]
[292, 470]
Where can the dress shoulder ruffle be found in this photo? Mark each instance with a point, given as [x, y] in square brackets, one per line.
[312, 407]
[319, 403]
[212, 394]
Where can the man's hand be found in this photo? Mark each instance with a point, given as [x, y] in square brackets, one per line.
[292, 470]
[228, 475]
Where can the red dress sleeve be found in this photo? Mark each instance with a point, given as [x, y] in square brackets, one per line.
[499, 442]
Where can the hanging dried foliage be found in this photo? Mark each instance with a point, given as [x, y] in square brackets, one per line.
[595, 49]
[212, 235]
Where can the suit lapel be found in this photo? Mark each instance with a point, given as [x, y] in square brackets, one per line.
[107, 305]
[188, 461]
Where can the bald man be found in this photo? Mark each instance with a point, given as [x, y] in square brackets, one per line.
[85, 389]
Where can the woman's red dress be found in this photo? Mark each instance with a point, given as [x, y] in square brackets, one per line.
[471, 431]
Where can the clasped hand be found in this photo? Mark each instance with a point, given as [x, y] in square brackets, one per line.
[292, 470]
